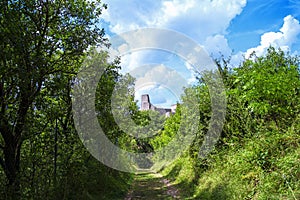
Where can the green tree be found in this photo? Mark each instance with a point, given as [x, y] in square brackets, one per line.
[269, 86]
[40, 40]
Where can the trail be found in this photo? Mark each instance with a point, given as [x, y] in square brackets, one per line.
[152, 186]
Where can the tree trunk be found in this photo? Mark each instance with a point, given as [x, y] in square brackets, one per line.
[12, 167]
[55, 152]
[12, 134]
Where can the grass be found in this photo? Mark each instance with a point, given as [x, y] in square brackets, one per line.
[263, 166]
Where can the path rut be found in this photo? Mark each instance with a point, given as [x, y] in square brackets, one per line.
[152, 186]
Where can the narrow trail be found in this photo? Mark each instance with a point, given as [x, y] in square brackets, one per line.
[152, 186]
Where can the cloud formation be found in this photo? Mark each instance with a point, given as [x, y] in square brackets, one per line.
[205, 21]
[163, 84]
[217, 45]
[197, 19]
[284, 39]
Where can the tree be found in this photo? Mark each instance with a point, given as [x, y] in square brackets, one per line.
[40, 40]
[269, 86]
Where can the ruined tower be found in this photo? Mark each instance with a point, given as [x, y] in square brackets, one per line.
[145, 104]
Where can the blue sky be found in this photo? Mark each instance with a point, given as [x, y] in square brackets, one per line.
[233, 27]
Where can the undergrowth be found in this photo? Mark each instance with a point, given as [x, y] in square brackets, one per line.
[264, 166]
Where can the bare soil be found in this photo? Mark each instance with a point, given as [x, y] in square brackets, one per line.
[152, 186]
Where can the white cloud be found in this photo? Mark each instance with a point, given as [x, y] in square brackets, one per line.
[158, 78]
[161, 75]
[204, 21]
[217, 45]
[129, 15]
[237, 59]
[132, 60]
[197, 19]
[171, 10]
[284, 39]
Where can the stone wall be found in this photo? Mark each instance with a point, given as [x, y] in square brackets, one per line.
[146, 105]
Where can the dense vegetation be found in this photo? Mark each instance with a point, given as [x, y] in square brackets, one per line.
[258, 154]
[44, 43]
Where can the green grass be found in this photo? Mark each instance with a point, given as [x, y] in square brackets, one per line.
[264, 166]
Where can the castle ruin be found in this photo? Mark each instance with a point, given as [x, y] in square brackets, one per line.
[147, 105]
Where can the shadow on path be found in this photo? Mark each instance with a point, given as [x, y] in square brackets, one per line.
[152, 186]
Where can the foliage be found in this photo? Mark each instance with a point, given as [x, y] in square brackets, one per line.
[257, 156]
[269, 86]
[43, 44]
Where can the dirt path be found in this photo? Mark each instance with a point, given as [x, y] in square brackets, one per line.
[152, 186]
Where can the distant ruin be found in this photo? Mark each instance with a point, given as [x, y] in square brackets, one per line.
[146, 105]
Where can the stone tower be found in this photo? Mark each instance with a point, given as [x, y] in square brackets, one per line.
[145, 104]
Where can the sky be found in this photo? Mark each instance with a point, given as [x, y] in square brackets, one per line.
[235, 28]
